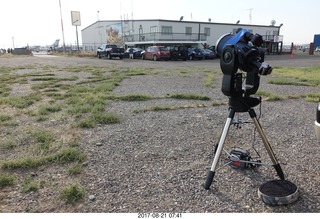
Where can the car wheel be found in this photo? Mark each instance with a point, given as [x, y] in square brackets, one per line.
[121, 57]
[98, 55]
[155, 58]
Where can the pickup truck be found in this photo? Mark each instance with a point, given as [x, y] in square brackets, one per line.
[110, 51]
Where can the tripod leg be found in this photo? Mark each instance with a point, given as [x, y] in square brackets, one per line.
[218, 149]
[266, 143]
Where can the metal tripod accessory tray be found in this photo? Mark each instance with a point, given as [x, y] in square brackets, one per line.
[278, 192]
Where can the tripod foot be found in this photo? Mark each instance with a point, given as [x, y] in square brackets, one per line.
[209, 180]
[279, 171]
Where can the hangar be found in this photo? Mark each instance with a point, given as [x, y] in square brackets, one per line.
[143, 33]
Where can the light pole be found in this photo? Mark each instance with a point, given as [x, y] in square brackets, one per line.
[64, 45]
[281, 40]
[13, 42]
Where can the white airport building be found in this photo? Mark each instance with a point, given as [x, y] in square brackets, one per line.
[144, 33]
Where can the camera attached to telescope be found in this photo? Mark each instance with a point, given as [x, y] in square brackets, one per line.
[242, 52]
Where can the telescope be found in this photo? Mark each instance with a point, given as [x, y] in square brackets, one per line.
[241, 57]
[242, 63]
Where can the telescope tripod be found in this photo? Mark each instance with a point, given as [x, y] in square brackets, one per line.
[241, 105]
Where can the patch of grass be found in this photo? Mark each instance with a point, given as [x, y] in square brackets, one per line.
[208, 80]
[98, 118]
[29, 185]
[66, 155]
[106, 118]
[6, 180]
[72, 193]
[315, 97]
[189, 97]
[75, 169]
[73, 144]
[21, 102]
[44, 137]
[86, 123]
[44, 79]
[47, 109]
[218, 104]
[9, 144]
[163, 108]
[135, 97]
[286, 81]
[184, 71]
[6, 120]
[269, 95]
[307, 75]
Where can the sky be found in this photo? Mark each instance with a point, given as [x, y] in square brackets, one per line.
[38, 22]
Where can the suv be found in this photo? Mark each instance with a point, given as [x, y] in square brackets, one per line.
[156, 53]
[179, 52]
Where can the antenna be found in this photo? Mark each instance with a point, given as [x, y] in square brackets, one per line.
[131, 9]
[250, 15]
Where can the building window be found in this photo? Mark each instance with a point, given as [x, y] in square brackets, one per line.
[188, 30]
[207, 31]
[166, 30]
[153, 29]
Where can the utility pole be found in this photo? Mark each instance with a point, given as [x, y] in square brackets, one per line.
[13, 42]
[64, 45]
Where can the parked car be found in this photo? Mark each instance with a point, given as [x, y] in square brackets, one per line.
[209, 54]
[195, 53]
[156, 53]
[317, 49]
[179, 52]
[136, 53]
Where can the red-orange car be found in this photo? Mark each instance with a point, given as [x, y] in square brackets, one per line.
[156, 53]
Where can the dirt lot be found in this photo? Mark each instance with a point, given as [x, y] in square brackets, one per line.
[155, 160]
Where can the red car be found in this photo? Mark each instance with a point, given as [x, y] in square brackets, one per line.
[156, 53]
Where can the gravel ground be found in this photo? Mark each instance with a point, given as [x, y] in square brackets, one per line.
[157, 161]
